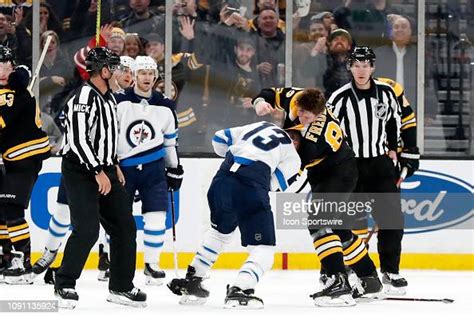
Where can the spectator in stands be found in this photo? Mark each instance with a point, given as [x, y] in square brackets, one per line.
[48, 20]
[367, 22]
[270, 48]
[141, 19]
[53, 74]
[327, 19]
[400, 57]
[13, 34]
[116, 41]
[133, 45]
[318, 35]
[329, 69]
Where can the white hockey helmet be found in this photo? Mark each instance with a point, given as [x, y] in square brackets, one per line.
[127, 61]
[145, 62]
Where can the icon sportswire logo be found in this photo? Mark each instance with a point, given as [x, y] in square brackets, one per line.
[433, 201]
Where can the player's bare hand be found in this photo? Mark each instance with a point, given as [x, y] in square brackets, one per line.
[120, 176]
[264, 68]
[263, 108]
[104, 183]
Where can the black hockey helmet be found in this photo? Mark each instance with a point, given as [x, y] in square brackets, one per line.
[6, 55]
[100, 57]
[361, 53]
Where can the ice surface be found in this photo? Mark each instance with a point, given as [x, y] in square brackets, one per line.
[284, 293]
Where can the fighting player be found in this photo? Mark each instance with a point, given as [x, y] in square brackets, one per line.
[255, 155]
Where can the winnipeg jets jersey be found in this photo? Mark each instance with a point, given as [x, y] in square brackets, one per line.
[264, 142]
[147, 129]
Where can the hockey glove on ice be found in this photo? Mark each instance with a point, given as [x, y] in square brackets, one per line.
[19, 78]
[174, 177]
[410, 158]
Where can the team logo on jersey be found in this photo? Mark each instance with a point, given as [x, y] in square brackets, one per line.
[381, 110]
[139, 132]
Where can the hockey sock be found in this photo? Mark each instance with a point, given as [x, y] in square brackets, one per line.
[357, 257]
[19, 233]
[153, 235]
[260, 260]
[361, 233]
[211, 247]
[329, 250]
[58, 227]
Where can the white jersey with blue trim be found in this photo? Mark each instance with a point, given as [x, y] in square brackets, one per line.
[147, 129]
[264, 142]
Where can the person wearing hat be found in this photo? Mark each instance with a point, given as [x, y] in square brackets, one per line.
[330, 69]
[116, 41]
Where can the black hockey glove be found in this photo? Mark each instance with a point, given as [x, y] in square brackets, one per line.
[410, 159]
[19, 78]
[174, 177]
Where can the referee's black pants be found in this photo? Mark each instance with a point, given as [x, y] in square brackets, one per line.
[88, 207]
[377, 175]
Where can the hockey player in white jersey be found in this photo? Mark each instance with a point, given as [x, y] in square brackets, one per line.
[148, 157]
[256, 155]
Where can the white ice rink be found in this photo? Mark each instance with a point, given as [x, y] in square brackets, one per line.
[284, 293]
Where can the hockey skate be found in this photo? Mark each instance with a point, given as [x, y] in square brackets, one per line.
[153, 275]
[104, 265]
[190, 288]
[367, 288]
[67, 297]
[242, 299]
[336, 292]
[19, 271]
[134, 297]
[394, 284]
[45, 261]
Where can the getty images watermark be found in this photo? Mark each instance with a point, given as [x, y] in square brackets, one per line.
[337, 210]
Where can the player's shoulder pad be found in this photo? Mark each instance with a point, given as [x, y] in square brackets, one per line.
[397, 87]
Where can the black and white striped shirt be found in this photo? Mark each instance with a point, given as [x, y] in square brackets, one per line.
[91, 128]
[364, 116]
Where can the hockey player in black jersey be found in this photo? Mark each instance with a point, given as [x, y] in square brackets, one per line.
[24, 146]
[332, 169]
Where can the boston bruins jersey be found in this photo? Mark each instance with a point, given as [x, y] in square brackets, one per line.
[408, 126]
[283, 99]
[21, 136]
[323, 144]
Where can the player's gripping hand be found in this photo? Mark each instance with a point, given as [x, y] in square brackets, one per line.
[262, 108]
[410, 159]
[174, 177]
[19, 78]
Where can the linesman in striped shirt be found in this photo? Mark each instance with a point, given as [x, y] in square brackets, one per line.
[370, 116]
[24, 146]
[95, 187]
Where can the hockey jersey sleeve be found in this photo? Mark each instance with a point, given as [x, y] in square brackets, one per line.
[393, 124]
[223, 139]
[283, 99]
[287, 170]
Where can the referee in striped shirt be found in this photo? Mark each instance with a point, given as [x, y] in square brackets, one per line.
[94, 186]
[369, 113]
